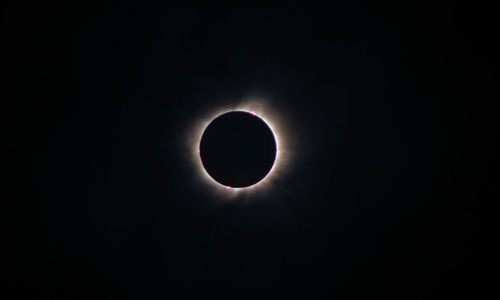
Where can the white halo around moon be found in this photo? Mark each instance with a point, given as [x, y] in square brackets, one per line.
[283, 152]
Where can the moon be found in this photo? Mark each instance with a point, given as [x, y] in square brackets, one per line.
[276, 118]
[238, 149]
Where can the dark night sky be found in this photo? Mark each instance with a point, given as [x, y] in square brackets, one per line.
[387, 111]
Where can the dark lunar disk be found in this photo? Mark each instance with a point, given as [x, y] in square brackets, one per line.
[238, 149]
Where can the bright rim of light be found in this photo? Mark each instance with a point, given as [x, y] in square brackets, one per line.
[257, 108]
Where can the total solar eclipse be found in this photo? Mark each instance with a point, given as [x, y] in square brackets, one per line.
[238, 149]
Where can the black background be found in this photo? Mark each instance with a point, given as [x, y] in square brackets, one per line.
[388, 110]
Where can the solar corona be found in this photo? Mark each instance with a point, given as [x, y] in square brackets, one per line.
[240, 149]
